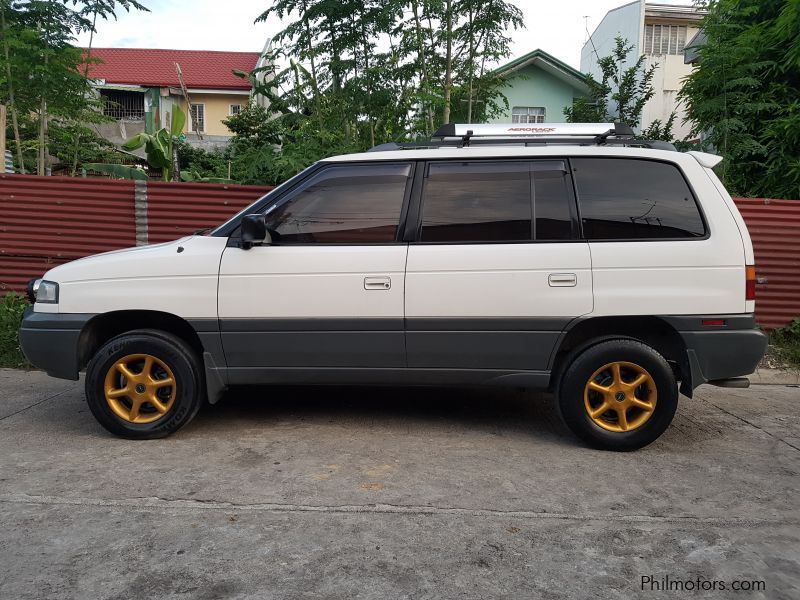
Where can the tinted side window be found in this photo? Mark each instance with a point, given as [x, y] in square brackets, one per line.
[552, 200]
[343, 204]
[635, 199]
[477, 202]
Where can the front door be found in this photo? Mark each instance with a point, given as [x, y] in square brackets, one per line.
[328, 292]
[498, 269]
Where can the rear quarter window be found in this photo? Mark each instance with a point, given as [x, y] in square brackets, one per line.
[631, 199]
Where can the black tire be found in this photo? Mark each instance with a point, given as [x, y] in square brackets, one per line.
[574, 406]
[183, 400]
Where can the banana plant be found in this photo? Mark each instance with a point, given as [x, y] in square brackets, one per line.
[158, 147]
[194, 177]
[118, 171]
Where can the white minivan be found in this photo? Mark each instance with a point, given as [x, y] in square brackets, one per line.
[572, 258]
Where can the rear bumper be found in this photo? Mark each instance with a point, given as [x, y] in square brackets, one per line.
[50, 341]
[720, 352]
[724, 354]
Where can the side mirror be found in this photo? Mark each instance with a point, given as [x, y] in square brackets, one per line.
[254, 232]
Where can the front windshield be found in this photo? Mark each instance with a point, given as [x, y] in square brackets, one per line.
[222, 230]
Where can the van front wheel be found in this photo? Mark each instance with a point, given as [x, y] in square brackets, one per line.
[618, 395]
[144, 384]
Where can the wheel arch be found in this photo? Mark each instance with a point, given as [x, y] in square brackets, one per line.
[653, 331]
[103, 327]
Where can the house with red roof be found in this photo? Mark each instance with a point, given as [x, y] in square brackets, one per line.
[141, 86]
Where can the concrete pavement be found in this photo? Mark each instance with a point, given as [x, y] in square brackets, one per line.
[401, 493]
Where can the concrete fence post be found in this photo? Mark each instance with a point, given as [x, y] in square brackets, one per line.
[140, 212]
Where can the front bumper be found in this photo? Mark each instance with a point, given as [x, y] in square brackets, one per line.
[50, 341]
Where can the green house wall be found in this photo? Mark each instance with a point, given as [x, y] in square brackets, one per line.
[531, 86]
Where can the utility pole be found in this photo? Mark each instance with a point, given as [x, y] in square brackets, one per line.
[186, 96]
[176, 165]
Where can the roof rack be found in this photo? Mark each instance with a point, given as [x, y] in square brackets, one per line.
[530, 134]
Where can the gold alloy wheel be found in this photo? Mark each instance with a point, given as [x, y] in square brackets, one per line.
[140, 388]
[620, 396]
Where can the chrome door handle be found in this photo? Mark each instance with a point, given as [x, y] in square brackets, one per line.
[377, 283]
[562, 280]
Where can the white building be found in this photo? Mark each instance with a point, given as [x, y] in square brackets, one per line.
[660, 32]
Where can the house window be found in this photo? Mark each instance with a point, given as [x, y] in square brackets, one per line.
[664, 39]
[198, 118]
[123, 104]
[527, 114]
[235, 109]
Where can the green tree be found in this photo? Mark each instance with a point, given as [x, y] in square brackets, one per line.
[43, 74]
[620, 95]
[45, 64]
[658, 130]
[744, 96]
[11, 40]
[485, 40]
[202, 164]
[364, 72]
[92, 9]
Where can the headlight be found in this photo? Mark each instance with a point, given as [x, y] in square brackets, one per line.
[40, 290]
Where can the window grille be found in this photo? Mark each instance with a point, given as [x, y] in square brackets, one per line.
[527, 114]
[664, 39]
[198, 117]
[123, 104]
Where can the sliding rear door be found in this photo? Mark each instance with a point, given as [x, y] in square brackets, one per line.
[497, 269]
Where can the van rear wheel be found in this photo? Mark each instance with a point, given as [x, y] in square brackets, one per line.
[618, 395]
[144, 384]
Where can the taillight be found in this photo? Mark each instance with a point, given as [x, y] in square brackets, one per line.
[750, 283]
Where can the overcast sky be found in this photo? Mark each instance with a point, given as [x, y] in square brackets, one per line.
[558, 27]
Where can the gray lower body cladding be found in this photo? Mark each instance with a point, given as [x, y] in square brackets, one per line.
[396, 351]
[501, 344]
[390, 351]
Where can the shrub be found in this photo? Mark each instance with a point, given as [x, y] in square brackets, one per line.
[11, 308]
[787, 341]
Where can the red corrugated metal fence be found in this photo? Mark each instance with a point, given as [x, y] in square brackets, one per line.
[774, 227]
[177, 210]
[45, 221]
